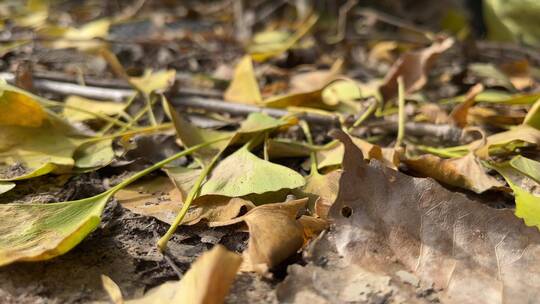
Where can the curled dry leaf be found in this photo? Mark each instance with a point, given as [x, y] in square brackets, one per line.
[324, 189]
[207, 281]
[460, 112]
[475, 253]
[464, 172]
[275, 233]
[413, 67]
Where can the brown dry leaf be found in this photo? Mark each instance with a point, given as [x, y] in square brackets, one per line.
[160, 198]
[244, 87]
[433, 113]
[207, 281]
[324, 187]
[523, 133]
[274, 233]
[413, 67]
[464, 172]
[472, 252]
[460, 113]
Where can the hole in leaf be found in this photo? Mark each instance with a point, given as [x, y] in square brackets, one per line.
[346, 211]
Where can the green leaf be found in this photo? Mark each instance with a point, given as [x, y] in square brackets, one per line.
[259, 122]
[243, 173]
[527, 203]
[6, 186]
[94, 154]
[34, 232]
[527, 166]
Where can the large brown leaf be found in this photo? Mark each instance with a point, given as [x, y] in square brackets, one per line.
[387, 222]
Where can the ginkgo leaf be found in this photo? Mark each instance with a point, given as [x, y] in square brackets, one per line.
[465, 172]
[258, 122]
[97, 106]
[35, 151]
[33, 232]
[112, 289]
[243, 173]
[527, 166]
[20, 110]
[49, 230]
[82, 38]
[6, 186]
[191, 135]
[527, 202]
[533, 115]
[274, 234]
[206, 282]
[244, 87]
[94, 154]
[154, 81]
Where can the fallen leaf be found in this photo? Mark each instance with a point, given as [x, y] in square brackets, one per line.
[525, 192]
[244, 87]
[112, 289]
[413, 67]
[460, 112]
[154, 81]
[20, 110]
[243, 173]
[94, 154]
[507, 140]
[274, 234]
[474, 253]
[527, 166]
[465, 172]
[325, 188]
[206, 282]
[518, 73]
[82, 38]
[6, 186]
[73, 103]
[160, 198]
[333, 156]
[533, 116]
[49, 230]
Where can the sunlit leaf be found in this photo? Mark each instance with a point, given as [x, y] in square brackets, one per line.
[154, 81]
[34, 232]
[82, 37]
[6, 186]
[207, 281]
[243, 173]
[73, 103]
[20, 110]
[465, 172]
[244, 87]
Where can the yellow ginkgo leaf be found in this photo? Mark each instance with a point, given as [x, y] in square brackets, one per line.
[244, 87]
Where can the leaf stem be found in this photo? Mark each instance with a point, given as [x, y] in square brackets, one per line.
[192, 195]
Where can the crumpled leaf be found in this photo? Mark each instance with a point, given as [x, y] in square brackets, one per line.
[475, 253]
[464, 172]
[243, 173]
[6, 186]
[525, 192]
[274, 233]
[244, 87]
[154, 81]
[160, 198]
[49, 230]
[413, 67]
[508, 140]
[206, 282]
[95, 106]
